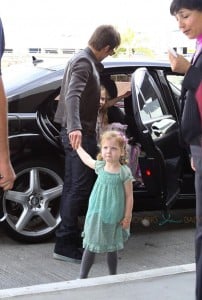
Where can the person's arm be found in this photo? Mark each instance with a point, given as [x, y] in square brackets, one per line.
[6, 171]
[86, 158]
[193, 82]
[78, 79]
[3, 124]
[113, 101]
[128, 187]
[7, 175]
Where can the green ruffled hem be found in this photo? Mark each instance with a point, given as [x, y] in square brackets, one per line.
[105, 248]
[97, 249]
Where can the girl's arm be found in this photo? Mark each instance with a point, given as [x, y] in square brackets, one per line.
[86, 158]
[128, 187]
[111, 102]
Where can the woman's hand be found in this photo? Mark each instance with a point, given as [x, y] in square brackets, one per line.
[179, 64]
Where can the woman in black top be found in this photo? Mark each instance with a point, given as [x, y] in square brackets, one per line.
[188, 14]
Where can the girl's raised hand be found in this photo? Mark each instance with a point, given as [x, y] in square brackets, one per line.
[126, 94]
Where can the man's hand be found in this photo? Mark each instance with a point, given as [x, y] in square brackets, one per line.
[75, 138]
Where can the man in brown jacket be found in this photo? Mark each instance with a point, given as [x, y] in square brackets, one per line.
[77, 114]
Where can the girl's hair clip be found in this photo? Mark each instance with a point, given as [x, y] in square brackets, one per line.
[123, 137]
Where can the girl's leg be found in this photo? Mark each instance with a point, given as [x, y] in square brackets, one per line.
[86, 263]
[112, 262]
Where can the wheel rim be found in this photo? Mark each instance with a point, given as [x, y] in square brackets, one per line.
[32, 205]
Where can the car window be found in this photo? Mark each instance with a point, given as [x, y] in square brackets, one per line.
[148, 96]
[123, 83]
[175, 81]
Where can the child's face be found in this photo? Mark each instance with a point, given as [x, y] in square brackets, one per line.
[111, 150]
[104, 96]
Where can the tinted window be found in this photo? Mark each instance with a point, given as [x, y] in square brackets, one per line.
[149, 99]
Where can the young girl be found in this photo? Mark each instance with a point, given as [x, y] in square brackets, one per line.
[108, 97]
[110, 205]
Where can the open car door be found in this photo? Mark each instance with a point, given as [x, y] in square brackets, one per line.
[158, 135]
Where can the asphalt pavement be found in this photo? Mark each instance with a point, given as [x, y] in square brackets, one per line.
[157, 260]
[170, 283]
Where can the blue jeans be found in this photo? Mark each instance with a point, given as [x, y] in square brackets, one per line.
[78, 182]
[196, 152]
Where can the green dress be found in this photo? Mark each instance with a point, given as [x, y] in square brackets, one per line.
[102, 229]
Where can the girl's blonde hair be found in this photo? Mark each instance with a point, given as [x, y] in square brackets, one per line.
[120, 139]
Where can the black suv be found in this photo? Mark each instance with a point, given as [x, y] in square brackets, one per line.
[152, 116]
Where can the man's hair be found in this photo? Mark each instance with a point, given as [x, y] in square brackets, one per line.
[176, 5]
[105, 35]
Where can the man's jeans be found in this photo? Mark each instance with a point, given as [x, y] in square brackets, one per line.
[78, 183]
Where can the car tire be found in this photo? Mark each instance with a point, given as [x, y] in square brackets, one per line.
[32, 206]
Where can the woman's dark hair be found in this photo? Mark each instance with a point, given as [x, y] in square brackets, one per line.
[110, 86]
[105, 35]
[114, 113]
[176, 5]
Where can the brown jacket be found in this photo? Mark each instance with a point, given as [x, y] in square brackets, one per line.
[80, 93]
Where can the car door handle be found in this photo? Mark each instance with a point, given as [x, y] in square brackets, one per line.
[157, 132]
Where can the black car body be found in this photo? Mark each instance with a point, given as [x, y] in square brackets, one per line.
[152, 116]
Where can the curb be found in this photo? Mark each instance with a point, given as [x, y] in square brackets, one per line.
[104, 280]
